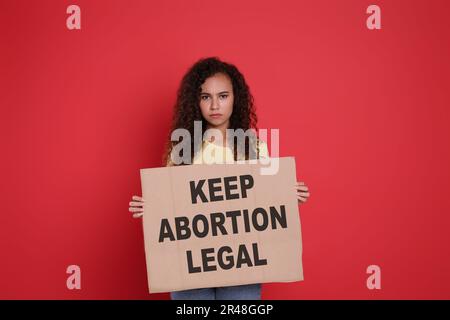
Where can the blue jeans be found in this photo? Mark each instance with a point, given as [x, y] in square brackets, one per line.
[244, 292]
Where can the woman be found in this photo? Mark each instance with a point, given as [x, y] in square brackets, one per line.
[215, 93]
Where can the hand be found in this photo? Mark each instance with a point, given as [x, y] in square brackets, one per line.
[302, 192]
[137, 207]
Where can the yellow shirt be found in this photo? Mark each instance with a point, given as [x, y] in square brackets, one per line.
[214, 153]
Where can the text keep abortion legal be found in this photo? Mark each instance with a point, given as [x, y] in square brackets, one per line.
[213, 224]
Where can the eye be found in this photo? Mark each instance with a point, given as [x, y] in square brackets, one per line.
[223, 96]
[204, 97]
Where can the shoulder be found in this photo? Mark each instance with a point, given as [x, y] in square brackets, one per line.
[263, 150]
[169, 162]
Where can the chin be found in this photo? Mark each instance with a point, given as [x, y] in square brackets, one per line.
[216, 122]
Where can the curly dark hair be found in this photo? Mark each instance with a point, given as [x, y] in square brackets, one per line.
[187, 107]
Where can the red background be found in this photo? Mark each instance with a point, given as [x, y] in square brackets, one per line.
[365, 113]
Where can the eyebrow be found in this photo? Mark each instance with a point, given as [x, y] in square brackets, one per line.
[218, 93]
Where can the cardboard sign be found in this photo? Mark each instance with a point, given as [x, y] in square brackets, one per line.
[220, 225]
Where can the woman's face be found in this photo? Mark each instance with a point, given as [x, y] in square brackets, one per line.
[216, 100]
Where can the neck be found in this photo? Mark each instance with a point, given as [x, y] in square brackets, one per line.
[223, 129]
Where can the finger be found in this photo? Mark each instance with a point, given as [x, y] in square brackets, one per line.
[136, 203]
[138, 215]
[301, 199]
[303, 194]
[303, 188]
[300, 183]
[133, 209]
[137, 198]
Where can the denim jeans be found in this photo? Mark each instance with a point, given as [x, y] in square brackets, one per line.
[243, 292]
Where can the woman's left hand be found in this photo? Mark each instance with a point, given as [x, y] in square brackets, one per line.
[302, 192]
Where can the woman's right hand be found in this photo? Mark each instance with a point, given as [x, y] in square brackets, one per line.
[136, 207]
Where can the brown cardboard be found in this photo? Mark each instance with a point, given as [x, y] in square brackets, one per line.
[167, 195]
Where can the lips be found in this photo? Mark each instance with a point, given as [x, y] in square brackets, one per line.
[215, 115]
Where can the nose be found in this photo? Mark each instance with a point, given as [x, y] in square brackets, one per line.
[214, 103]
